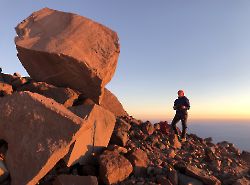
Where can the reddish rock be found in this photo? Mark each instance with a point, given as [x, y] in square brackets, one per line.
[118, 149]
[92, 140]
[201, 175]
[7, 78]
[5, 89]
[114, 167]
[120, 134]
[165, 127]
[68, 50]
[75, 180]
[147, 128]
[242, 181]
[65, 96]
[246, 157]
[140, 161]
[173, 139]
[111, 103]
[171, 153]
[39, 132]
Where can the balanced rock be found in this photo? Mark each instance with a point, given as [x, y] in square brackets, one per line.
[39, 132]
[68, 50]
[65, 96]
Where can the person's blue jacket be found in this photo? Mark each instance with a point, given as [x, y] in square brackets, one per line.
[178, 103]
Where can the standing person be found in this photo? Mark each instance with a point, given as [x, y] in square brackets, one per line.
[181, 105]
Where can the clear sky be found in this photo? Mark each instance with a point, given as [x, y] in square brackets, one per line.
[202, 47]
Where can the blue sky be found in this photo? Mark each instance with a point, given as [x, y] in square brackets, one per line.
[199, 46]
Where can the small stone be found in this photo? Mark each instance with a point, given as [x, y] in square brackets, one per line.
[5, 89]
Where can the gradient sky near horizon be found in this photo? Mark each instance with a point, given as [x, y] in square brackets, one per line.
[199, 46]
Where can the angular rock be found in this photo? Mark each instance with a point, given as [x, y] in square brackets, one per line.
[173, 139]
[68, 50]
[96, 137]
[75, 180]
[5, 89]
[246, 157]
[173, 177]
[165, 127]
[201, 175]
[65, 96]
[7, 78]
[140, 161]
[118, 149]
[39, 132]
[242, 181]
[120, 134]
[111, 103]
[171, 153]
[147, 128]
[114, 167]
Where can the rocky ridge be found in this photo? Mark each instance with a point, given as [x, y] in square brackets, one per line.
[61, 126]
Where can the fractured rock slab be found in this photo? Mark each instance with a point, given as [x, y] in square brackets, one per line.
[94, 139]
[65, 96]
[39, 132]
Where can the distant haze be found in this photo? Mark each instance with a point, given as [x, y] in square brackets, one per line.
[199, 46]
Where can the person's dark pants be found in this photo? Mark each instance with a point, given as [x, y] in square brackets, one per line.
[183, 119]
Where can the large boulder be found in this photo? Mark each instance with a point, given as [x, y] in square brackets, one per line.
[96, 137]
[65, 96]
[39, 132]
[111, 103]
[114, 167]
[68, 50]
